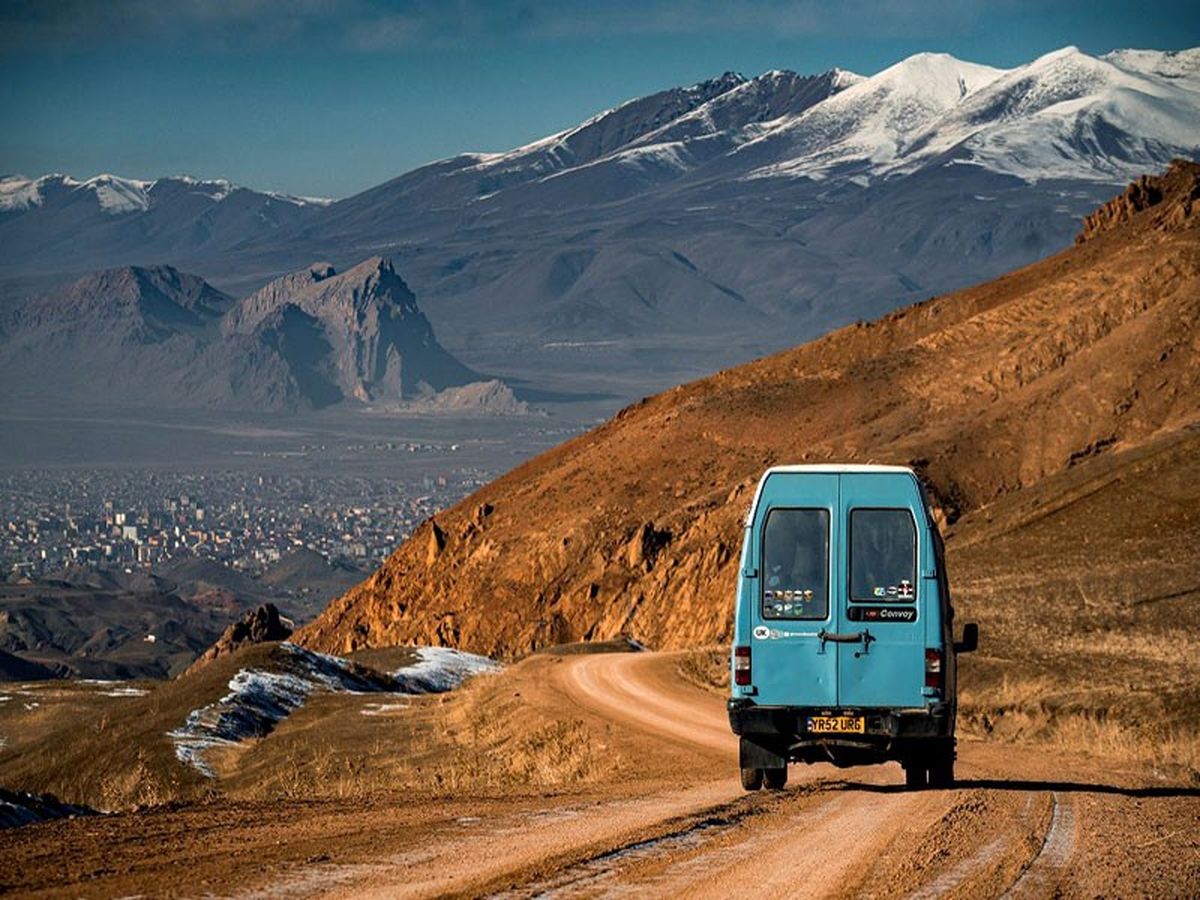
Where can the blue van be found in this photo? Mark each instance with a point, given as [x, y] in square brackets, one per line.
[842, 648]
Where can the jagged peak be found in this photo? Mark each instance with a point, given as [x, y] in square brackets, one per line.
[372, 266]
[725, 79]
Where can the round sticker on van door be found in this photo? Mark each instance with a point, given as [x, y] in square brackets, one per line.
[762, 632]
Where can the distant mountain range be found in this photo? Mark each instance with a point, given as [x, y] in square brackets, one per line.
[154, 336]
[110, 220]
[726, 218]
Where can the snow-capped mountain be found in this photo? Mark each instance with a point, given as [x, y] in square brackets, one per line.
[108, 219]
[116, 195]
[1071, 115]
[732, 217]
[874, 121]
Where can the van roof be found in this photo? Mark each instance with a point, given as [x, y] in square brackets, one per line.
[823, 469]
[839, 468]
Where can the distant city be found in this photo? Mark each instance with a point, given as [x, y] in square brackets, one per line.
[106, 518]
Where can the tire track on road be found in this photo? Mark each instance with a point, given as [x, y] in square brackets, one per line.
[1040, 876]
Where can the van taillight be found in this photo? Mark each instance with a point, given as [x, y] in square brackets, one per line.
[741, 665]
[933, 668]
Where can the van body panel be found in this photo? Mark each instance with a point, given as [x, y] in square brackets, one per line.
[890, 672]
[787, 656]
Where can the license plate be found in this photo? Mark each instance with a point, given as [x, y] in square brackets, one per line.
[837, 724]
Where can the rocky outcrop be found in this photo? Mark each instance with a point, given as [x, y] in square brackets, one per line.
[258, 626]
[374, 342]
[1179, 187]
[158, 337]
[635, 527]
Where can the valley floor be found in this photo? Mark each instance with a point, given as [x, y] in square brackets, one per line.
[668, 818]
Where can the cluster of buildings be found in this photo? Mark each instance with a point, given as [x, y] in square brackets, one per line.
[102, 518]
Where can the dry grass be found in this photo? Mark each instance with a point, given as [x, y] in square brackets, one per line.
[113, 752]
[707, 668]
[1086, 591]
[495, 734]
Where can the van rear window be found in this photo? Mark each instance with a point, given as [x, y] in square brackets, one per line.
[796, 564]
[883, 555]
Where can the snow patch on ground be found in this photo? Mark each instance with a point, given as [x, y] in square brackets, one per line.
[125, 692]
[258, 699]
[441, 669]
[381, 709]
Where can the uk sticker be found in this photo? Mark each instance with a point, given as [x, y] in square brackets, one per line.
[761, 632]
[906, 589]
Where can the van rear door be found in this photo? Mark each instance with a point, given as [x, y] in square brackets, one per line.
[883, 592]
[792, 595]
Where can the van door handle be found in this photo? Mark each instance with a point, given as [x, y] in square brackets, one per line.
[851, 637]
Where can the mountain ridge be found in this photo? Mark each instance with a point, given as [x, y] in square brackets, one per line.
[313, 338]
[727, 219]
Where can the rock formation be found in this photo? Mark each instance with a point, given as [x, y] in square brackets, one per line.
[256, 627]
[157, 337]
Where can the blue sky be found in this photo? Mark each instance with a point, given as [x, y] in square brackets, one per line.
[327, 98]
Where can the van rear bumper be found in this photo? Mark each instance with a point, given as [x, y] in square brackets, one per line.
[881, 725]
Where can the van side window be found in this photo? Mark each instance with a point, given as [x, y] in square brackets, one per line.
[883, 555]
[795, 570]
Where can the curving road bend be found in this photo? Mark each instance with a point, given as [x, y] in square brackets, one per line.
[831, 833]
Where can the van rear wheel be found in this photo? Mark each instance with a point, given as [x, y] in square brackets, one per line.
[941, 769]
[752, 779]
[776, 778]
[915, 774]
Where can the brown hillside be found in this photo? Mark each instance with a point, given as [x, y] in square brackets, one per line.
[635, 527]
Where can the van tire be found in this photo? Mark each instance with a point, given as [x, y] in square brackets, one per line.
[776, 778]
[752, 779]
[941, 769]
[915, 774]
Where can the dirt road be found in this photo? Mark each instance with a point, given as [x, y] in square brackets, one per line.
[1018, 824]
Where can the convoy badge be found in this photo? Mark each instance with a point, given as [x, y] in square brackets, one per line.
[762, 632]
